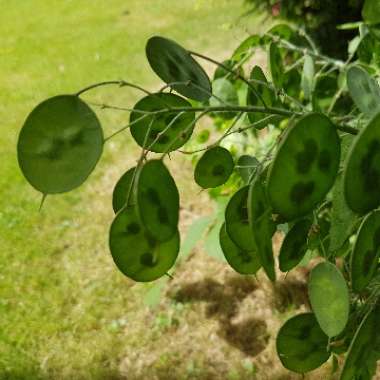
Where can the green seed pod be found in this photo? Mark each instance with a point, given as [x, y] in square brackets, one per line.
[362, 170]
[363, 353]
[214, 168]
[266, 93]
[243, 262]
[170, 130]
[294, 246]
[60, 144]
[172, 63]
[292, 82]
[364, 90]
[305, 166]
[120, 192]
[329, 298]
[157, 200]
[225, 94]
[262, 226]
[246, 166]
[365, 255]
[138, 255]
[301, 344]
[275, 65]
[237, 223]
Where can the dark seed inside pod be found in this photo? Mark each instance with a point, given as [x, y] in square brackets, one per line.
[133, 228]
[301, 191]
[324, 160]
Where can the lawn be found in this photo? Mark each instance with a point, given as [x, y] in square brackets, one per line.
[65, 311]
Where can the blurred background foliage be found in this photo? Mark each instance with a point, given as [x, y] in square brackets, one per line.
[320, 18]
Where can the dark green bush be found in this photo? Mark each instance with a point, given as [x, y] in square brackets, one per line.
[319, 17]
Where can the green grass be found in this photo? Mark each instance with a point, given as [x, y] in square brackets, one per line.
[63, 305]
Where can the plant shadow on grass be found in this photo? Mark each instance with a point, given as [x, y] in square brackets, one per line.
[222, 303]
[290, 293]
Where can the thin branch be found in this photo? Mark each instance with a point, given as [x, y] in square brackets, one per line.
[232, 72]
[120, 83]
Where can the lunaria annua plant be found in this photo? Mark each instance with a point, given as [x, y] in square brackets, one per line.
[317, 177]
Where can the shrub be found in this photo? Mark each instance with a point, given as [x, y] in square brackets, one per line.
[316, 177]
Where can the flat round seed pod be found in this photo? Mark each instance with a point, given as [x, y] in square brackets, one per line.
[305, 166]
[214, 167]
[364, 90]
[275, 65]
[301, 344]
[362, 170]
[224, 94]
[291, 82]
[246, 165]
[121, 189]
[329, 298]
[59, 144]
[136, 254]
[157, 200]
[262, 226]
[237, 223]
[365, 255]
[363, 353]
[266, 93]
[172, 63]
[220, 72]
[170, 129]
[294, 246]
[324, 92]
[244, 262]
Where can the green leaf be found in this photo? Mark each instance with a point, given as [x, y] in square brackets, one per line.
[212, 242]
[59, 144]
[153, 296]
[369, 48]
[135, 252]
[120, 192]
[242, 261]
[371, 11]
[237, 224]
[157, 200]
[305, 166]
[301, 344]
[308, 74]
[362, 170]
[170, 130]
[194, 235]
[366, 252]
[350, 25]
[214, 168]
[172, 63]
[364, 90]
[294, 246]
[246, 47]
[329, 298]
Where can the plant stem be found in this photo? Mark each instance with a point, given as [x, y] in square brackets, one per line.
[232, 72]
[120, 83]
